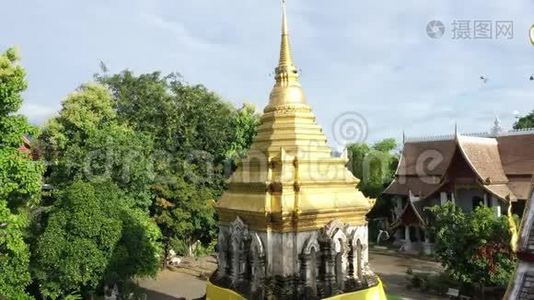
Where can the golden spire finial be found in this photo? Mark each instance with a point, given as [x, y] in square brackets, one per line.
[285, 48]
[287, 89]
[286, 71]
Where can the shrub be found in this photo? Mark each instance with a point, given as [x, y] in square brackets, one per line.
[474, 247]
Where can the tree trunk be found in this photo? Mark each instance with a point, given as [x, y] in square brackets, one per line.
[166, 246]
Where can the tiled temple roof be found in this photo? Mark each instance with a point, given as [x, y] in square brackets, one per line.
[503, 163]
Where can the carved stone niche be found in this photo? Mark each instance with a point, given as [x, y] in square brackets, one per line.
[360, 274]
[223, 255]
[239, 240]
[357, 258]
[335, 252]
[310, 266]
[258, 265]
[241, 259]
[324, 263]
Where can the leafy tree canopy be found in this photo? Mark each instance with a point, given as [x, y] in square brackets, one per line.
[194, 133]
[525, 122]
[86, 142]
[474, 247]
[20, 180]
[182, 117]
[93, 237]
[14, 254]
[244, 124]
[20, 176]
[102, 171]
[375, 166]
[83, 112]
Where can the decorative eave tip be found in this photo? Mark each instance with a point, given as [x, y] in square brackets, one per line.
[456, 132]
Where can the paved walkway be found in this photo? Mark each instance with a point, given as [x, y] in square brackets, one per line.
[392, 271]
[171, 285]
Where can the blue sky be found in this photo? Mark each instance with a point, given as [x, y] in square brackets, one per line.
[371, 57]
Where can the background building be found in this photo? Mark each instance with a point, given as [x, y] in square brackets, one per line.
[492, 169]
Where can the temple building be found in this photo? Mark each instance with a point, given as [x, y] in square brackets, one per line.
[491, 169]
[28, 148]
[292, 223]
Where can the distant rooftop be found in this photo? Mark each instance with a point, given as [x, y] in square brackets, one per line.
[488, 134]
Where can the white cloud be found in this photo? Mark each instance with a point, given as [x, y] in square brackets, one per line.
[38, 113]
[369, 56]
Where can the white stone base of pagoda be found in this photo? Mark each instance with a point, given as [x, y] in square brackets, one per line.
[312, 264]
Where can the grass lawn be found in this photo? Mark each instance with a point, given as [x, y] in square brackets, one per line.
[393, 297]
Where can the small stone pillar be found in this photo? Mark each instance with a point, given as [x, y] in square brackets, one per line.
[331, 270]
[258, 275]
[407, 239]
[222, 254]
[443, 198]
[307, 285]
[427, 246]
[235, 262]
[496, 206]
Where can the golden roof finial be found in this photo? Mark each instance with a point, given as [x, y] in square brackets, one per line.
[285, 48]
[286, 70]
[287, 89]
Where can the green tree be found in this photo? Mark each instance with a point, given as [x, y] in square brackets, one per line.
[86, 142]
[183, 118]
[195, 132]
[182, 220]
[93, 237]
[525, 122]
[474, 247]
[375, 166]
[14, 254]
[20, 176]
[102, 169]
[83, 112]
[73, 252]
[20, 180]
[244, 123]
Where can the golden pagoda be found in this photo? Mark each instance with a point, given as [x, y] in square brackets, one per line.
[292, 223]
